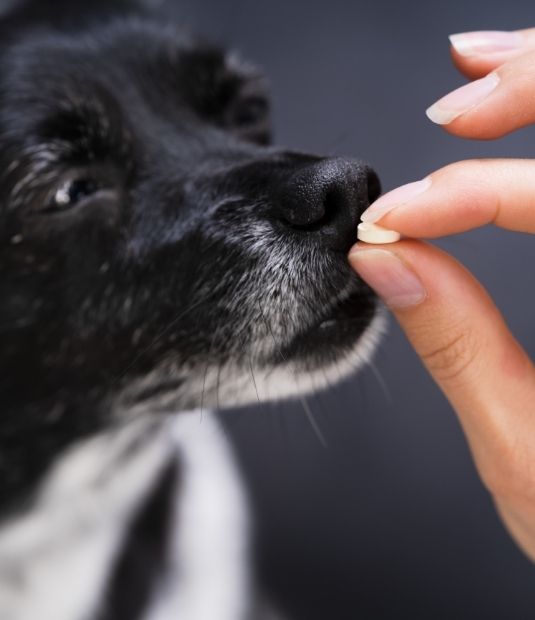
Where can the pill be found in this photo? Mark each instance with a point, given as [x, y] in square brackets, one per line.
[371, 233]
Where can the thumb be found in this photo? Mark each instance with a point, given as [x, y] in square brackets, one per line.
[465, 344]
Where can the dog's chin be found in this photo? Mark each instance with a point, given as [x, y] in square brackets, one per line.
[326, 353]
[333, 335]
[335, 347]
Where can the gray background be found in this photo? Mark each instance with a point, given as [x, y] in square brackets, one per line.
[390, 521]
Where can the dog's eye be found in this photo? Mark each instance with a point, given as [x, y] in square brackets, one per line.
[70, 194]
[248, 117]
[249, 112]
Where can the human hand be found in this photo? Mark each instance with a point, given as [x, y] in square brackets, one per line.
[448, 317]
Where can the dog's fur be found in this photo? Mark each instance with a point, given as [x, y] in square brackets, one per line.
[157, 255]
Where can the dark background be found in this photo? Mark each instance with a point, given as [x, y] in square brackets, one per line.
[390, 521]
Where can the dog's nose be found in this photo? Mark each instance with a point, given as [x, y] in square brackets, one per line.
[326, 198]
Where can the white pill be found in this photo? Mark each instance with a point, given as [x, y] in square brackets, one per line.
[371, 233]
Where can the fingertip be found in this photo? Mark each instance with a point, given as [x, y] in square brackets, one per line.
[474, 110]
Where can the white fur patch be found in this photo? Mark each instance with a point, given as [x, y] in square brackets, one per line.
[208, 576]
[55, 559]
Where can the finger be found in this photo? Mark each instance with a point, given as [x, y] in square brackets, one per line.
[477, 53]
[492, 106]
[460, 197]
[466, 346]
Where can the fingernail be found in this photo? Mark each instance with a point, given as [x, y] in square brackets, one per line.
[388, 276]
[486, 42]
[461, 100]
[393, 199]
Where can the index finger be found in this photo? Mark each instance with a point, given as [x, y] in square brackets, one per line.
[460, 197]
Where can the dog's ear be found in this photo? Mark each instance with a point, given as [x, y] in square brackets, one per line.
[59, 12]
[6, 6]
[51, 6]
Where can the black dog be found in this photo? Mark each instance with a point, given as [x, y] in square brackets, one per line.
[156, 256]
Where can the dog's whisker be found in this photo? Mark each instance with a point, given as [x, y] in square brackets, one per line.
[313, 423]
[218, 383]
[161, 334]
[204, 387]
[308, 412]
[381, 381]
[267, 324]
[254, 380]
[206, 368]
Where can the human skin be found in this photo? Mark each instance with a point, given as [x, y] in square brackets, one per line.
[448, 317]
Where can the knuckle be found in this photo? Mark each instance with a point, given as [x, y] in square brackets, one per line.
[472, 179]
[457, 169]
[450, 359]
[469, 172]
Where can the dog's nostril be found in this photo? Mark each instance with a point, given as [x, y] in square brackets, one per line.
[301, 202]
[303, 210]
[327, 197]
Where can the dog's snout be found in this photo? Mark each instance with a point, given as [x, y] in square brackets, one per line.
[326, 198]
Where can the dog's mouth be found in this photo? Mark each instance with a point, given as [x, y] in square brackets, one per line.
[348, 309]
[337, 329]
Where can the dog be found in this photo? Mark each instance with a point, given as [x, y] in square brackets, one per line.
[159, 259]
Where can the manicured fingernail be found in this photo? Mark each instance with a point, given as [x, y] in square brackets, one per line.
[393, 199]
[389, 277]
[461, 100]
[486, 42]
